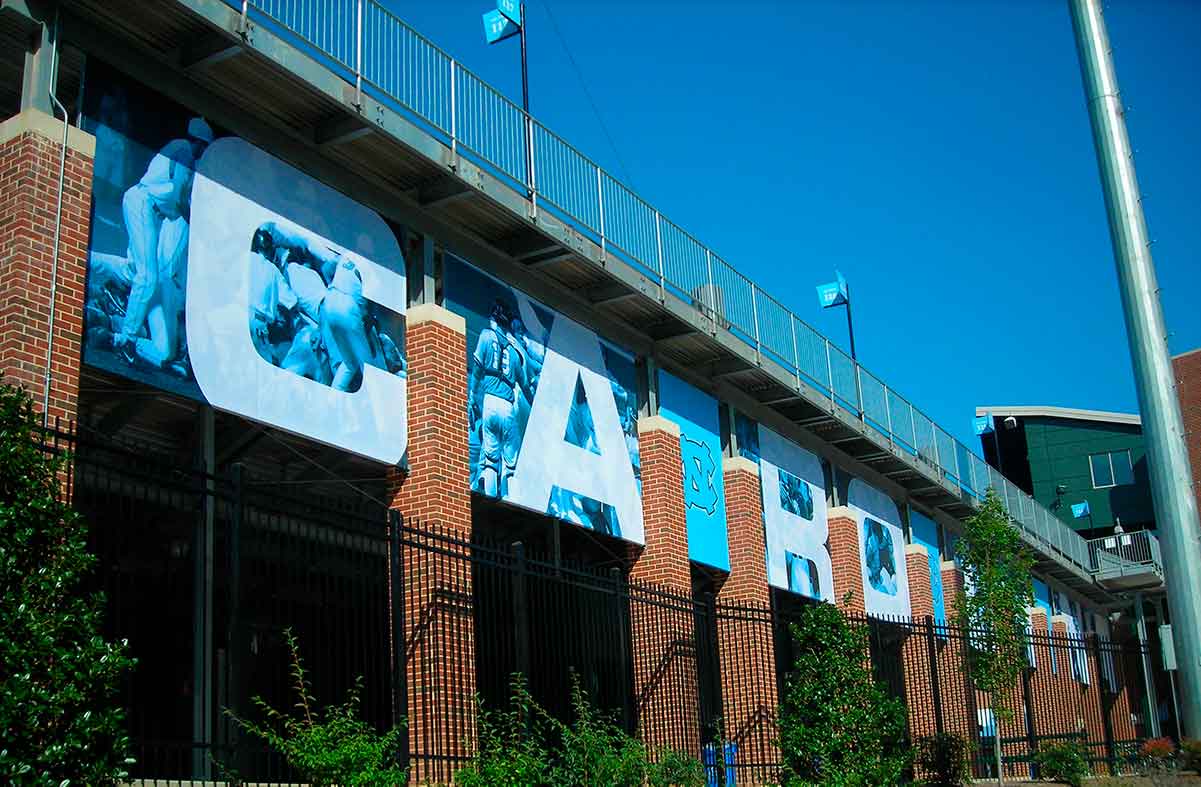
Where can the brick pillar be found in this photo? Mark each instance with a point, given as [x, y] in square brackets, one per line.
[844, 555]
[915, 653]
[435, 494]
[959, 702]
[661, 620]
[747, 652]
[1187, 368]
[30, 155]
[1071, 720]
[1044, 681]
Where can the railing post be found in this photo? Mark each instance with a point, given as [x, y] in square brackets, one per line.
[659, 247]
[971, 469]
[600, 202]
[796, 357]
[627, 689]
[454, 114]
[858, 389]
[243, 29]
[888, 416]
[521, 620]
[712, 292]
[358, 56]
[400, 693]
[913, 429]
[531, 174]
[937, 454]
[755, 314]
[830, 377]
[935, 688]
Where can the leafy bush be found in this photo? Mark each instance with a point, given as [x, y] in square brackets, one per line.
[330, 746]
[675, 769]
[1190, 754]
[59, 718]
[524, 746]
[1158, 753]
[1065, 762]
[837, 724]
[942, 760]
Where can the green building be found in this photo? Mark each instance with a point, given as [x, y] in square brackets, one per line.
[1064, 456]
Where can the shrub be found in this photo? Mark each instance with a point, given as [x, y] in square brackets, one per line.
[837, 724]
[1158, 753]
[524, 746]
[330, 746]
[1190, 754]
[675, 769]
[942, 760]
[1065, 762]
[60, 722]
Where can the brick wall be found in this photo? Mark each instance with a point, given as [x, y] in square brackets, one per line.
[30, 150]
[436, 492]
[663, 641]
[958, 699]
[747, 654]
[1188, 388]
[844, 555]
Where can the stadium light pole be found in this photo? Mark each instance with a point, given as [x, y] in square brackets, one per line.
[1167, 457]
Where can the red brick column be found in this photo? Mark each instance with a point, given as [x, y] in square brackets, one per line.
[1187, 367]
[30, 155]
[1071, 720]
[844, 557]
[958, 697]
[919, 686]
[435, 493]
[661, 621]
[747, 653]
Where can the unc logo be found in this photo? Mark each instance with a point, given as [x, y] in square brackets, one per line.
[699, 490]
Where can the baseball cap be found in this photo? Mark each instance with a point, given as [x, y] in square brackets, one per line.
[200, 130]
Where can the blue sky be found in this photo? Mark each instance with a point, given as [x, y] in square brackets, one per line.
[937, 153]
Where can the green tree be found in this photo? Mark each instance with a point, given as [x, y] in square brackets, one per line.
[837, 724]
[997, 591]
[60, 722]
[327, 746]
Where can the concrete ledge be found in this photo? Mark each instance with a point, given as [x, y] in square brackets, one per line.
[732, 464]
[1064, 619]
[948, 565]
[432, 312]
[917, 549]
[658, 423]
[840, 511]
[40, 123]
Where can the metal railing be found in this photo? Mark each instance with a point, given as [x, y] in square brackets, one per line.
[1125, 554]
[381, 55]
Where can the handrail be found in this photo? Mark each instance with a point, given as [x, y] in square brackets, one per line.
[1125, 553]
[478, 122]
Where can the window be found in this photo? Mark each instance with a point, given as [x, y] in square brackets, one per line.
[1111, 469]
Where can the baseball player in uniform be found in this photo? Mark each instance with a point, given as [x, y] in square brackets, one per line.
[495, 378]
[163, 193]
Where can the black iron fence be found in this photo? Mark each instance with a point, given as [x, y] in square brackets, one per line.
[203, 574]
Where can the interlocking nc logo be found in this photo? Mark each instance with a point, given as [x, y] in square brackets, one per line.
[699, 491]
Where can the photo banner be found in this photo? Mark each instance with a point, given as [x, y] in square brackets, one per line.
[924, 531]
[881, 550]
[796, 528]
[551, 410]
[700, 453]
[219, 272]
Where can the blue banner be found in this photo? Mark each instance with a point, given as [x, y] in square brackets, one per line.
[881, 550]
[700, 451]
[924, 531]
[552, 408]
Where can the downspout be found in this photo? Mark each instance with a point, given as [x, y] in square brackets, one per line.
[58, 226]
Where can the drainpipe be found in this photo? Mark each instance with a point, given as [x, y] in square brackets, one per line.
[58, 225]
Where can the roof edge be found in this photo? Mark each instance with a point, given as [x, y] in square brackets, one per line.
[1070, 413]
